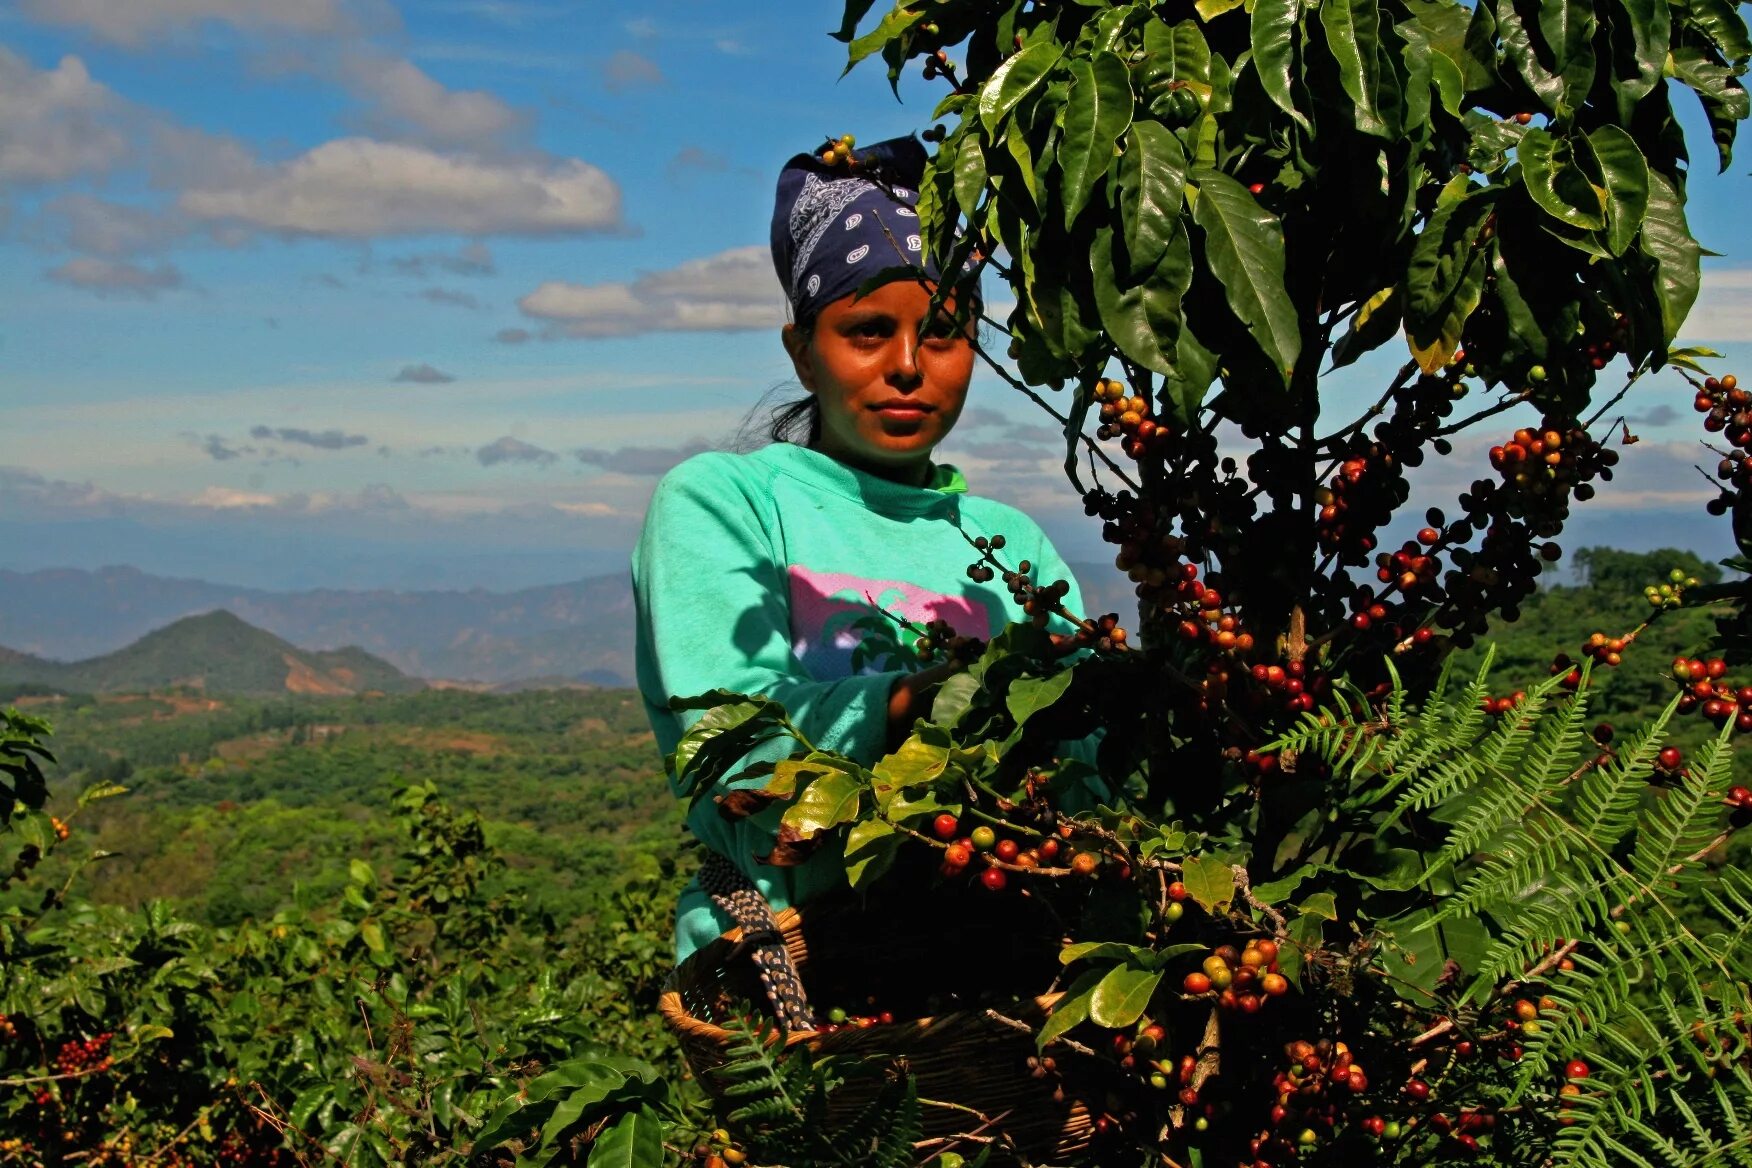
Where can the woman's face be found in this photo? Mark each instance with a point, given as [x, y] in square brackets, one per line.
[889, 384]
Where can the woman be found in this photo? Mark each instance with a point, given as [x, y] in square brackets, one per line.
[763, 573]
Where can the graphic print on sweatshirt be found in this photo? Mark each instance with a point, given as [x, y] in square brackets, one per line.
[833, 612]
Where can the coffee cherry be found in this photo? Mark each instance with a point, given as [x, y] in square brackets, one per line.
[983, 837]
[1177, 891]
[958, 855]
[945, 826]
[1417, 1089]
[1007, 850]
[1085, 863]
[1197, 983]
[994, 879]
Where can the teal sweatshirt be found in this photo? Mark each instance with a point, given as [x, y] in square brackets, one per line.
[761, 573]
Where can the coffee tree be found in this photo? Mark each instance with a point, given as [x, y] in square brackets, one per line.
[1336, 906]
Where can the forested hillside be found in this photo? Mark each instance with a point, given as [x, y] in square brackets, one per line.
[240, 806]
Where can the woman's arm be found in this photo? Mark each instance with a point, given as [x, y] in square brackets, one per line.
[713, 599]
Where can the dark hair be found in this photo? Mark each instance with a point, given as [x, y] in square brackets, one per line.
[797, 421]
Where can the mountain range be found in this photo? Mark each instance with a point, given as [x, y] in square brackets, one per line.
[215, 652]
[576, 632]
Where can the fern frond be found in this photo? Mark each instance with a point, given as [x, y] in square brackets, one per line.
[1672, 838]
[903, 1128]
[1608, 798]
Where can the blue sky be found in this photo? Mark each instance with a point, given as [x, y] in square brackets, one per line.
[303, 293]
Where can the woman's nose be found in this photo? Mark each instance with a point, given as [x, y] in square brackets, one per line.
[903, 372]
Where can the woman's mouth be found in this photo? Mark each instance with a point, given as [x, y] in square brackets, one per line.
[902, 409]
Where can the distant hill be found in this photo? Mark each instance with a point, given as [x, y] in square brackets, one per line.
[575, 633]
[216, 652]
[580, 631]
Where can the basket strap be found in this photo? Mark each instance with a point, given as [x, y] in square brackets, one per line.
[733, 892]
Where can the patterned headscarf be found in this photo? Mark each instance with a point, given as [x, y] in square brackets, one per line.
[834, 227]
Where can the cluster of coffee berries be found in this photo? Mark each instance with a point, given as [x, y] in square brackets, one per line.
[1128, 418]
[1709, 691]
[1413, 568]
[981, 571]
[1046, 1067]
[983, 841]
[720, 1150]
[80, 1056]
[1292, 683]
[1605, 650]
[236, 1148]
[1314, 1090]
[940, 640]
[838, 151]
[1520, 513]
[1558, 458]
[839, 1018]
[1497, 707]
[29, 856]
[1203, 619]
[1240, 980]
[1464, 1127]
[8, 1031]
[1143, 1053]
[938, 63]
[1670, 593]
[61, 830]
[1360, 497]
[1727, 409]
[1038, 602]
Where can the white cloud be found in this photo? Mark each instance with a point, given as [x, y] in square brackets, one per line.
[1723, 311]
[593, 509]
[406, 102]
[55, 124]
[228, 498]
[629, 70]
[116, 278]
[101, 227]
[133, 23]
[732, 291]
[358, 187]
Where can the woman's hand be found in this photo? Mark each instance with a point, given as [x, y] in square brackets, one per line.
[910, 698]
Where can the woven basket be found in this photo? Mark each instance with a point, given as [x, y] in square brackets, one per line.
[946, 946]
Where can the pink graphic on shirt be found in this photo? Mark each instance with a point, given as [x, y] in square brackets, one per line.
[827, 606]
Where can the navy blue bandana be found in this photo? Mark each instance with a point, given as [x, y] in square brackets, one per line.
[834, 227]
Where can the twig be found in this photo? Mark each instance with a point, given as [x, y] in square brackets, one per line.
[1380, 407]
[1635, 375]
[1507, 403]
[1245, 886]
[1018, 1024]
[1027, 391]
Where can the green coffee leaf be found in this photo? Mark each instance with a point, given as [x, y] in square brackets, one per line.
[1123, 995]
[1098, 109]
[635, 1140]
[1275, 25]
[1244, 246]
[1209, 882]
[824, 804]
[1014, 80]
